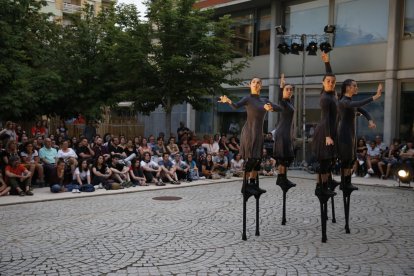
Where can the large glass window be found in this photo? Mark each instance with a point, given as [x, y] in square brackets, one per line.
[406, 111]
[409, 18]
[243, 33]
[307, 18]
[263, 32]
[361, 21]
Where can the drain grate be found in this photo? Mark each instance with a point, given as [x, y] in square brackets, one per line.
[166, 198]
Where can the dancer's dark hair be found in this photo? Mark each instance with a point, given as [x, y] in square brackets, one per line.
[345, 84]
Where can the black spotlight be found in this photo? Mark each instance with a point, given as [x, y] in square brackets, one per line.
[329, 29]
[295, 48]
[312, 48]
[283, 48]
[280, 30]
[404, 174]
[325, 47]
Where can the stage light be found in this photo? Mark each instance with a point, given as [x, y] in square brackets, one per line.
[280, 30]
[325, 47]
[312, 48]
[404, 175]
[295, 48]
[283, 48]
[329, 29]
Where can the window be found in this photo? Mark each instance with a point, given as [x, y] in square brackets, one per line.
[263, 32]
[375, 109]
[243, 33]
[361, 22]
[406, 113]
[409, 18]
[307, 18]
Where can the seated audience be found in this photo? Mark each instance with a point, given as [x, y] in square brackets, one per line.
[373, 157]
[30, 158]
[168, 170]
[181, 168]
[82, 178]
[18, 177]
[221, 163]
[136, 173]
[236, 166]
[57, 176]
[151, 170]
[101, 174]
[4, 189]
[361, 155]
[207, 166]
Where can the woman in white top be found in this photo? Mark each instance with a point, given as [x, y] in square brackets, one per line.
[30, 158]
[68, 155]
[82, 177]
[237, 165]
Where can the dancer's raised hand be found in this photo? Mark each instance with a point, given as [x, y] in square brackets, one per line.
[325, 57]
[268, 107]
[371, 124]
[282, 80]
[224, 99]
[379, 92]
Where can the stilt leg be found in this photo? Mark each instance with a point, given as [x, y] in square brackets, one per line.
[333, 210]
[347, 198]
[323, 195]
[257, 208]
[284, 208]
[244, 236]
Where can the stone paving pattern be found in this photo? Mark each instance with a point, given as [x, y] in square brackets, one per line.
[132, 234]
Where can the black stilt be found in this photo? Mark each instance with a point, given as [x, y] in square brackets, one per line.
[285, 185]
[248, 190]
[323, 194]
[347, 190]
[332, 184]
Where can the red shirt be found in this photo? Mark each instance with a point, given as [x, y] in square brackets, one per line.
[18, 170]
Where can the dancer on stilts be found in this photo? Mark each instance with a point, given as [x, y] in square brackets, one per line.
[324, 144]
[283, 146]
[346, 145]
[251, 144]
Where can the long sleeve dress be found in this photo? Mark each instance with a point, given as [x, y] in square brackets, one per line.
[346, 144]
[283, 146]
[327, 127]
[251, 137]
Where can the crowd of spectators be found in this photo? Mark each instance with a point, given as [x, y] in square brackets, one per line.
[51, 158]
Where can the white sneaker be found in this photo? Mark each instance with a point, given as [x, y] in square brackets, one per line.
[100, 186]
[74, 191]
[353, 175]
[370, 170]
[367, 175]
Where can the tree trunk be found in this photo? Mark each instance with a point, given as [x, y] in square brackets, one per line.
[168, 110]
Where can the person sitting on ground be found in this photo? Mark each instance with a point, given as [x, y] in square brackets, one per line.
[85, 151]
[69, 156]
[130, 149]
[237, 166]
[10, 151]
[159, 148]
[100, 150]
[48, 157]
[8, 133]
[361, 154]
[234, 147]
[373, 157]
[152, 143]
[120, 172]
[224, 145]
[101, 173]
[18, 177]
[144, 147]
[267, 165]
[137, 174]
[172, 147]
[168, 170]
[182, 169]
[30, 158]
[151, 169]
[82, 178]
[212, 147]
[56, 178]
[389, 160]
[115, 150]
[207, 166]
[4, 189]
[185, 147]
[221, 163]
[194, 175]
[268, 143]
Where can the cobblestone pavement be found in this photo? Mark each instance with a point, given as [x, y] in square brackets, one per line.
[133, 234]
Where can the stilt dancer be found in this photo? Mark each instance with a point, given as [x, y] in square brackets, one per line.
[251, 144]
[346, 136]
[283, 146]
[324, 143]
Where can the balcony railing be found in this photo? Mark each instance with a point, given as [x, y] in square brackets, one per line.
[71, 8]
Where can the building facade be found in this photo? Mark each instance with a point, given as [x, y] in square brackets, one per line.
[372, 44]
[62, 8]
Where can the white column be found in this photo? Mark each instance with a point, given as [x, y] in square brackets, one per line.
[391, 82]
[274, 62]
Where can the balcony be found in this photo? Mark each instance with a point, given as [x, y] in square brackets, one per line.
[71, 8]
